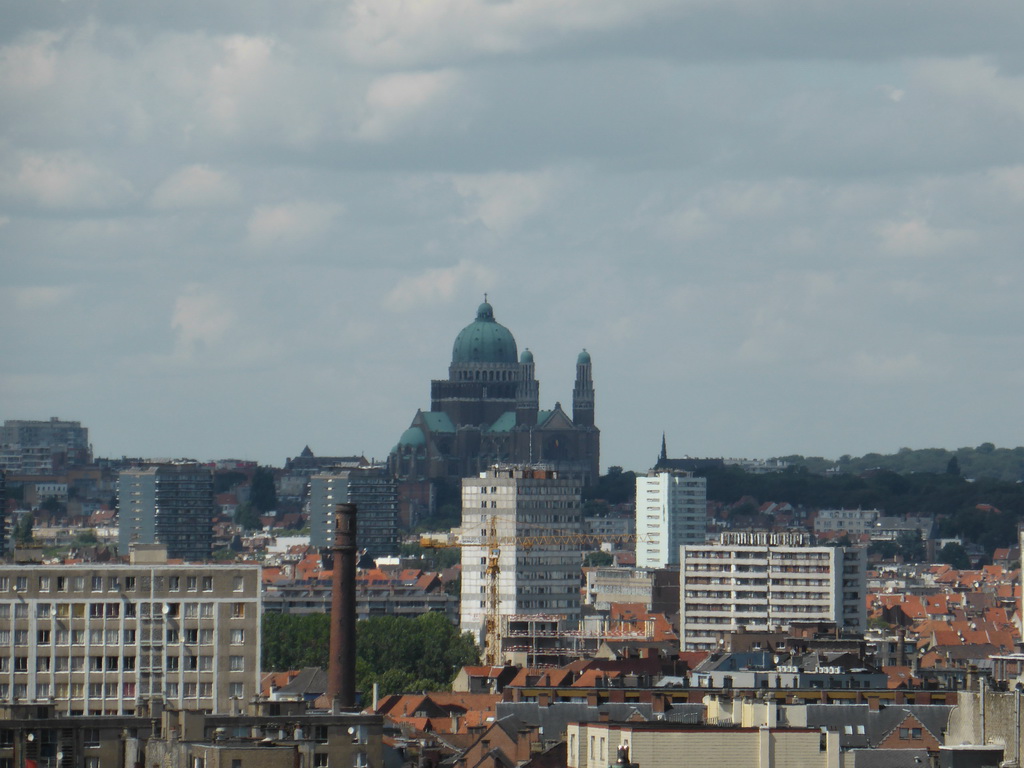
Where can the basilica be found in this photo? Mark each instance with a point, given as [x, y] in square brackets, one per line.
[488, 412]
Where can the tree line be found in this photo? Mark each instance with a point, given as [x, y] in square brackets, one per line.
[398, 653]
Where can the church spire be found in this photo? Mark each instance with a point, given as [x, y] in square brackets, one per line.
[664, 448]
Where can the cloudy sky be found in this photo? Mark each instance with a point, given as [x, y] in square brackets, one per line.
[779, 226]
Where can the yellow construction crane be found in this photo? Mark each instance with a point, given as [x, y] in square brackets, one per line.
[493, 542]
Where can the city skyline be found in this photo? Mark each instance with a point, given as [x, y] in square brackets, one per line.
[231, 233]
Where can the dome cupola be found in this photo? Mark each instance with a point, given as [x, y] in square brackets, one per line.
[484, 340]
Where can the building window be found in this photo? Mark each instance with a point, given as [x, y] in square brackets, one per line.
[173, 583]
[97, 583]
[236, 663]
[192, 583]
[238, 610]
[207, 583]
[238, 583]
[237, 636]
[236, 690]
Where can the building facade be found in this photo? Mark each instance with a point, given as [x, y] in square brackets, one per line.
[169, 504]
[671, 510]
[851, 521]
[43, 447]
[117, 639]
[488, 412]
[760, 581]
[518, 526]
[375, 494]
[4, 546]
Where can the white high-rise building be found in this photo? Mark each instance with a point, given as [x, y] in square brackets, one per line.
[525, 517]
[671, 510]
[761, 581]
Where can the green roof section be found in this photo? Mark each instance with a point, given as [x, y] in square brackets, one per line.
[437, 421]
[505, 423]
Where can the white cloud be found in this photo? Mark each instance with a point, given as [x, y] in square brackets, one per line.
[65, 180]
[197, 186]
[881, 368]
[399, 32]
[39, 297]
[974, 83]
[29, 64]
[916, 237]
[395, 101]
[201, 319]
[503, 201]
[439, 286]
[272, 225]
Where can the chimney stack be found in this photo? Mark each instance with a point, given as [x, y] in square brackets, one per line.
[341, 673]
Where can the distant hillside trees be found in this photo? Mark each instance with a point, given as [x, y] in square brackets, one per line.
[984, 460]
[263, 494]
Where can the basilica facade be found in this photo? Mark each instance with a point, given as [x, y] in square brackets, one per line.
[488, 412]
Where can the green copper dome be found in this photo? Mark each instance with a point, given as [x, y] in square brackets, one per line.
[584, 358]
[484, 340]
[526, 357]
[413, 436]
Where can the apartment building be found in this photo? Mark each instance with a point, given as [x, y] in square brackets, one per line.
[671, 510]
[3, 514]
[43, 447]
[767, 580]
[851, 521]
[518, 529]
[170, 504]
[114, 639]
[601, 744]
[373, 491]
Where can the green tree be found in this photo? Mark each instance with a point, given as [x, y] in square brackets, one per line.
[23, 529]
[86, 538]
[54, 506]
[248, 516]
[954, 554]
[617, 487]
[398, 653]
[911, 547]
[953, 467]
[598, 559]
[263, 493]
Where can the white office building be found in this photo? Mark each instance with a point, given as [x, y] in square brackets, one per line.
[526, 519]
[763, 581]
[671, 510]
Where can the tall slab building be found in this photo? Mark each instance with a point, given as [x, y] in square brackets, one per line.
[169, 504]
[521, 519]
[373, 491]
[671, 510]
